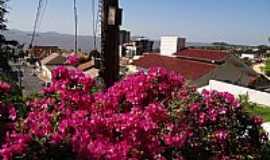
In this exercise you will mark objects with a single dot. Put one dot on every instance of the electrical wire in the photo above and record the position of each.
(37, 18)
(42, 14)
(95, 21)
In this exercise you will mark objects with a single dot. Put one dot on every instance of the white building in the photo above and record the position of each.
(248, 56)
(171, 44)
(48, 64)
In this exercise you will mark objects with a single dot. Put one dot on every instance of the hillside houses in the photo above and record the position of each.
(200, 66)
(47, 64)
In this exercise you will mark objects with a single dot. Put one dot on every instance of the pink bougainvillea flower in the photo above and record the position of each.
(73, 59)
(4, 87)
(152, 114)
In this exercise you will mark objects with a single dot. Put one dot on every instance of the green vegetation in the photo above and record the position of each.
(267, 67)
(256, 109)
(262, 111)
(3, 11)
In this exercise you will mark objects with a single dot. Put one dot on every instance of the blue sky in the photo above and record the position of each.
(234, 21)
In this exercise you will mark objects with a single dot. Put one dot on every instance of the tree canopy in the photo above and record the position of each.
(3, 11)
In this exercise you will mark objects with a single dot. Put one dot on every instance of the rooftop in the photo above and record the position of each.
(54, 59)
(45, 47)
(192, 70)
(87, 65)
(204, 55)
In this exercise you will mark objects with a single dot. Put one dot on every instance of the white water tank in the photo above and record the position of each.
(170, 45)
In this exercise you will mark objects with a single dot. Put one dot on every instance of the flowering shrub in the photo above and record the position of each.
(152, 115)
(7, 110)
(73, 59)
(11, 108)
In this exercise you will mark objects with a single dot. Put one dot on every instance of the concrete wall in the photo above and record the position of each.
(46, 73)
(254, 95)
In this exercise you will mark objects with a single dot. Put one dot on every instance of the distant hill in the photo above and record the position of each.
(156, 44)
(228, 45)
(65, 41)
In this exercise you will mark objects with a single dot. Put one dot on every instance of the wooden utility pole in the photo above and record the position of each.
(76, 26)
(111, 21)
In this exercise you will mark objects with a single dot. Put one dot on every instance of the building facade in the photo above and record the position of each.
(124, 37)
(199, 66)
(136, 47)
(44, 51)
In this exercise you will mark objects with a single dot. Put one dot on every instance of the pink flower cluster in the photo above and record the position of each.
(148, 115)
(7, 108)
(73, 59)
(15, 144)
(4, 87)
(8, 117)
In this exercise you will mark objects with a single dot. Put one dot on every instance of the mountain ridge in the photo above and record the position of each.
(66, 41)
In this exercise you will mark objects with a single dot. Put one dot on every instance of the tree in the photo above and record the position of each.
(3, 11)
(8, 48)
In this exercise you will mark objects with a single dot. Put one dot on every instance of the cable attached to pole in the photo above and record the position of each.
(36, 23)
(42, 14)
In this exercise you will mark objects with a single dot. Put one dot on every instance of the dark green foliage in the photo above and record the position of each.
(267, 67)
(47, 151)
(266, 151)
(254, 109)
(3, 11)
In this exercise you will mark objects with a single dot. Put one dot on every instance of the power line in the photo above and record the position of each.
(96, 13)
(37, 18)
(42, 13)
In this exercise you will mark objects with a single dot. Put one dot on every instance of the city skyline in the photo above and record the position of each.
(239, 22)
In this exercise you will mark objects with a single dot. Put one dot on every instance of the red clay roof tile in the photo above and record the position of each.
(201, 54)
(192, 70)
